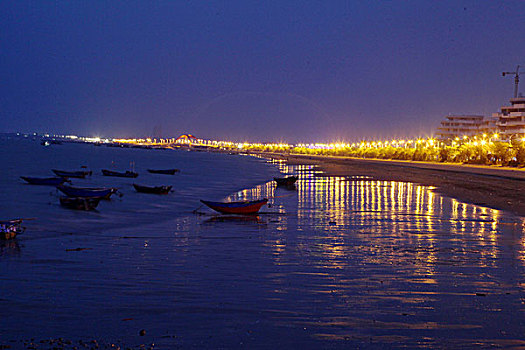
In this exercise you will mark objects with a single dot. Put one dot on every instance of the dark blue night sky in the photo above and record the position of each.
(254, 70)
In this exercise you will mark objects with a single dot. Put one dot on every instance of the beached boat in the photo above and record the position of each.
(164, 171)
(80, 203)
(48, 181)
(286, 181)
(128, 173)
(152, 189)
(103, 192)
(10, 228)
(245, 207)
(76, 174)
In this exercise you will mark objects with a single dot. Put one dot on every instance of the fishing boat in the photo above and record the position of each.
(76, 174)
(48, 181)
(128, 173)
(164, 171)
(285, 181)
(80, 203)
(10, 228)
(152, 189)
(103, 192)
(243, 208)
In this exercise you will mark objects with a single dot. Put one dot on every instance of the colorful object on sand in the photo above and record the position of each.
(10, 228)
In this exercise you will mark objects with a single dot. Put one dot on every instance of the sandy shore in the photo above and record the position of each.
(497, 188)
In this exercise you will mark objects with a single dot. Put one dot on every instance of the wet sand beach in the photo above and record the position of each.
(493, 187)
(335, 262)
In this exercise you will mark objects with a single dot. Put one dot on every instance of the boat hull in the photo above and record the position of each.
(76, 174)
(71, 191)
(241, 208)
(286, 181)
(164, 171)
(154, 190)
(45, 181)
(80, 203)
(128, 173)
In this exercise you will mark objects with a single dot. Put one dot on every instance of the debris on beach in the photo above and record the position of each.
(77, 249)
(68, 344)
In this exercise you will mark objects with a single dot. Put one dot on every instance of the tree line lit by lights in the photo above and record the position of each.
(481, 149)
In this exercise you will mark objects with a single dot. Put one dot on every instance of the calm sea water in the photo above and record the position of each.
(335, 263)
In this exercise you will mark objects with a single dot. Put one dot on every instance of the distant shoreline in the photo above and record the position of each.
(497, 188)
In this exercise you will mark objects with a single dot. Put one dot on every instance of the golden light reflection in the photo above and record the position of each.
(360, 241)
(522, 241)
(406, 214)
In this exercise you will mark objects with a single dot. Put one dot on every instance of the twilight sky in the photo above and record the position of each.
(295, 71)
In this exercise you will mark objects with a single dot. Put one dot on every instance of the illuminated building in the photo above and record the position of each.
(511, 119)
(464, 125)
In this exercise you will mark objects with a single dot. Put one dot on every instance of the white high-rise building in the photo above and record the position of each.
(511, 119)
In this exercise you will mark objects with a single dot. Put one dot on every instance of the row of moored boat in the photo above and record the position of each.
(87, 198)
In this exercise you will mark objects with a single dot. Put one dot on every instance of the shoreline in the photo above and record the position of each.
(496, 188)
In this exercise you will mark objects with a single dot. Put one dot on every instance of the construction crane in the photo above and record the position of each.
(516, 79)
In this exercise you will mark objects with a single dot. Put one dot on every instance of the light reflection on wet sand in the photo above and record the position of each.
(394, 263)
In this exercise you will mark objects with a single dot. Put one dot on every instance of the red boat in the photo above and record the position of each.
(243, 208)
